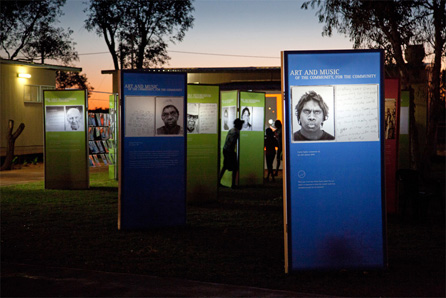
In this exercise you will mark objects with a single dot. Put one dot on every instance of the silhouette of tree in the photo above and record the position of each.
(137, 32)
(51, 44)
(395, 26)
(27, 29)
(69, 79)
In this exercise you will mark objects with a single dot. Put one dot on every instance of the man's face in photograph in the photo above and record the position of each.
(74, 117)
(191, 121)
(170, 116)
(311, 117)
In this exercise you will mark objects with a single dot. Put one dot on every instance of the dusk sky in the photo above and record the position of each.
(226, 33)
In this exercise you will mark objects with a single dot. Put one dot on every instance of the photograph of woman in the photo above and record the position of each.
(246, 116)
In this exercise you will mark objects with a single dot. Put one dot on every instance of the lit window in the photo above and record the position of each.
(34, 93)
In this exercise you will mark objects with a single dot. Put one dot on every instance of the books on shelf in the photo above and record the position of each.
(101, 139)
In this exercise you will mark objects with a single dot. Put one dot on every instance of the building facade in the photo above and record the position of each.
(21, 100)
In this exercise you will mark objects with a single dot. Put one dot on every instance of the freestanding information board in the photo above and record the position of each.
(113, 149)
(334, 178)
(252, 111)
(391, 133)
(152, 180)
(66, 149)
(202, 142)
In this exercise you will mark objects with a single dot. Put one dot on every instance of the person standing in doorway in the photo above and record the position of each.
(278, 136)
(270, 152)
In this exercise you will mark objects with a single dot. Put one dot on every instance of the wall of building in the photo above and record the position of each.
(225, 77)
(242, 78)
(13, 106)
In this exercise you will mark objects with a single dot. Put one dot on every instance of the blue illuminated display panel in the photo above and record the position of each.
(334, 165)
(153, 150)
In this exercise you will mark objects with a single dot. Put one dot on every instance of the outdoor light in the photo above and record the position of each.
(24, 75)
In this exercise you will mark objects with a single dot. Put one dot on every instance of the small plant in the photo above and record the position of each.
(35, 160)
(15, 163)
(25, 162)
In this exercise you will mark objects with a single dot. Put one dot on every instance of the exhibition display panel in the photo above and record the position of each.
(391, 135)
(252, 112)
(202, 142)
(113, 140)
(334, 160)
(66, 149)
(152, 168)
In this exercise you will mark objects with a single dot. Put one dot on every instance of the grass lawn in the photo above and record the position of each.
(236, 240)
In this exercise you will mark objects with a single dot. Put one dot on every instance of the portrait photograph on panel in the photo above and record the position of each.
(169, 116)
(139, 116)
(193, 119)
(55, 118)
(246, 116)
(227, 117)
(312, 113)
(74, 118)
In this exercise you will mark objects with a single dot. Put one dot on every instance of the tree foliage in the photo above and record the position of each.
(390, 25)
(27, 28)
(137, 32)
(395, 26)
(68, 79)
(51, 44)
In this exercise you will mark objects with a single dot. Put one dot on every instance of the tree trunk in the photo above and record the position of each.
(11, 137)
(414, 145)
(435, 102)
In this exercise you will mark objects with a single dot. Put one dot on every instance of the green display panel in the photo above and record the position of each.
(114, 124)
(66, 149)
(228, 103)
(202, 142)
(252, 111)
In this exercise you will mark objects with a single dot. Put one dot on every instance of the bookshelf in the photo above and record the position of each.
(101, 139)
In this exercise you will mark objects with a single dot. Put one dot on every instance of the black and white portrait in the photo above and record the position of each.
(227, 117)
(170, 115)
(312, 113)
(192, 120)
(246, 116)
(74, 118)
